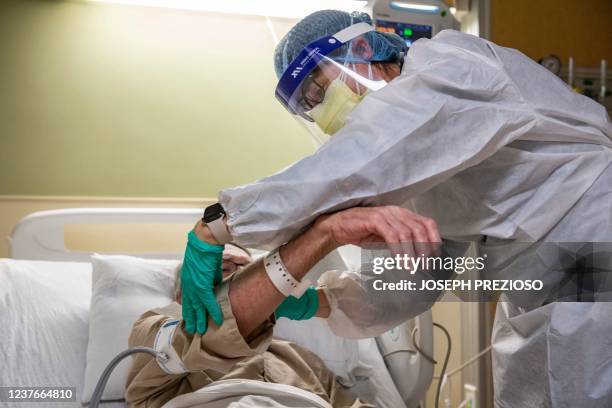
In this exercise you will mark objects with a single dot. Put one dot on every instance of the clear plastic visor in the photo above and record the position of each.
(357, 76)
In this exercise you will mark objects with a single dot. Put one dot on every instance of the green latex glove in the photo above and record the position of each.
(200, 273)
(299, 309)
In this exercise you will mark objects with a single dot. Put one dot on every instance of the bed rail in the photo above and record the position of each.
(40, 236)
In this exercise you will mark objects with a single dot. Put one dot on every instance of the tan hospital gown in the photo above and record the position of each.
(222, 353)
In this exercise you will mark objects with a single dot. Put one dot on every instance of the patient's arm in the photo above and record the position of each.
(253, 296)
(248, 300)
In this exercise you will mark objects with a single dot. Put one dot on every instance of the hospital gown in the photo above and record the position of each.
(222, 354)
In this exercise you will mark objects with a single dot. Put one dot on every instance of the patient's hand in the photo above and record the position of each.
(401, 229)
(234, 258)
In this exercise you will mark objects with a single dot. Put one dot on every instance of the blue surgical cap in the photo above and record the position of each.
(385, 46)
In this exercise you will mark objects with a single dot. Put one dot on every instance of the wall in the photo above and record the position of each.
(582, 29)
(110, 100)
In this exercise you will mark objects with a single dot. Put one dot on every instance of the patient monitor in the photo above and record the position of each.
(412, 20)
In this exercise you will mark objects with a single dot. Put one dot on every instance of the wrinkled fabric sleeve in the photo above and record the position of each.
(356, 315)
(215, 353)
(221, 347)
(358, 310)
(450, 109)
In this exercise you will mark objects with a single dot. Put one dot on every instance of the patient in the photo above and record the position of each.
(243, 347)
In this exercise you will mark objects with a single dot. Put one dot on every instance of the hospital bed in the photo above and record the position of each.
(45, 296)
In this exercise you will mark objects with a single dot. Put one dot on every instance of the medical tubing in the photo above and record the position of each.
(460, 367)
(447, 386)
(448, 352)
(449, 391)
(428, 357)
(416, 346)
(97, 394)
(468, 362)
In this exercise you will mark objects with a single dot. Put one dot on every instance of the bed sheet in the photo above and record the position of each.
(44, 314)
(236, 393)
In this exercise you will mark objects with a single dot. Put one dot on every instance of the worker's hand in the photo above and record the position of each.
(302, 308)
(234, 258)
(402, 230)
(200, 273)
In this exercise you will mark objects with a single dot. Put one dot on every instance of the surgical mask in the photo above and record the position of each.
(339, 101)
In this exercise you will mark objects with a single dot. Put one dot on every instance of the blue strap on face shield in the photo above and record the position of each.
(308, 59)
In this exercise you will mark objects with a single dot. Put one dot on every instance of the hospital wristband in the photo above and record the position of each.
(281, 278)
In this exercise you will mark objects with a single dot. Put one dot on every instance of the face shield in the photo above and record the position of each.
(327, 80)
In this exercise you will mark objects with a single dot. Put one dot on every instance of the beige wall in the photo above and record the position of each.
(121, 101)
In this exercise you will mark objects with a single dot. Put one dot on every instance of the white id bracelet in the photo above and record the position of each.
(281, 278)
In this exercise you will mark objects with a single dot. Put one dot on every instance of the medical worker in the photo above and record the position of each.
(478, 137)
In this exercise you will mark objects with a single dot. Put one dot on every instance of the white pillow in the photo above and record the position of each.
(339, 354)
(123, 288)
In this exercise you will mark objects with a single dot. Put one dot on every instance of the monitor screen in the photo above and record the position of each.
(409, 32)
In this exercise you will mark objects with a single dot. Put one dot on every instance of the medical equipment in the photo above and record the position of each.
(40, 236)
(589, 81)
(596, 83)
(602, 80)
(552, 63)
(412, 20)
(99, 390)
(402, 354)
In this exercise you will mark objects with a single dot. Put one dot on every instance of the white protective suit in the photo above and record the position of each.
(488, 143)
